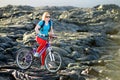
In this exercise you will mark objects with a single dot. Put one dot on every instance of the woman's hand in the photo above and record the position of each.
(51, 35)
(41, 34)
(37, 29)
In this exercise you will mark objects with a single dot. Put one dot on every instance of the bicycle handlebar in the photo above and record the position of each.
(54, 36)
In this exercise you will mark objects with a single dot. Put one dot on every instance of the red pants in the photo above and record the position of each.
(42, 44)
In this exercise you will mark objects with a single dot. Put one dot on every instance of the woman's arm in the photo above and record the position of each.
(37, 29)
(51, 33)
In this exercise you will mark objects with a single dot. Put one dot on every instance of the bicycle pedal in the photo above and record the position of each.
(36, 58)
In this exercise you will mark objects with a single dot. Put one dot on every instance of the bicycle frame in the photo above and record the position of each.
(25, 57)
(47, 46)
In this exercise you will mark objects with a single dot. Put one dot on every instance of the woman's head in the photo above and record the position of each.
(46, 16)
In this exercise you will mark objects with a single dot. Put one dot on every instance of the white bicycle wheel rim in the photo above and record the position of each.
(17, 60)
(58, 66)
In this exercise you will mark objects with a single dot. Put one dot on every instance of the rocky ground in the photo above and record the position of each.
(88, 41)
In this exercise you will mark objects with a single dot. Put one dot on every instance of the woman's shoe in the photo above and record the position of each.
(42, 67)
(36, 54)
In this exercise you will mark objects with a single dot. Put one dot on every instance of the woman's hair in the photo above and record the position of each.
(44, 15)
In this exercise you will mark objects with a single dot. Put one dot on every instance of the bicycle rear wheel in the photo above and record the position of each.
(24, 58)
(53, 62)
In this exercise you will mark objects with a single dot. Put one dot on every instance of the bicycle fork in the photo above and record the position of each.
(52, 58)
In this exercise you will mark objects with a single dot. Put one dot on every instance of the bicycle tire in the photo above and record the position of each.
(55, 63)
(24, 58)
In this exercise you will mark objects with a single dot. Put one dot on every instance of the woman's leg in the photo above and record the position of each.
(43, 57)
(41, 43)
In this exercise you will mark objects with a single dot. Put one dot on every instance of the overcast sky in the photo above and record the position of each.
(76, 3)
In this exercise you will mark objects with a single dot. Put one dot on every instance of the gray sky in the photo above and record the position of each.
(77, 3)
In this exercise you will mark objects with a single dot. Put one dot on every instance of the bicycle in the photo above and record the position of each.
(25, 58)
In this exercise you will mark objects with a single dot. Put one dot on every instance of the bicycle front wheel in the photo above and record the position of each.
(53, 61)
(24, 58)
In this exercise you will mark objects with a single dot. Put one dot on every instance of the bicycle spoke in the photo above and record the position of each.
(24, 58)
(54, 64)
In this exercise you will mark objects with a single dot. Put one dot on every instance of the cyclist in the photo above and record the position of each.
(43, 30)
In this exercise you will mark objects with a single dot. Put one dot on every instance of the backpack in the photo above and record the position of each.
(44, 24)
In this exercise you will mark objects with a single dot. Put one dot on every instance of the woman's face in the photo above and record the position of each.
(47, 17)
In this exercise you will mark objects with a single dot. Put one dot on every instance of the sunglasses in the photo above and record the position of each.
(47, 16)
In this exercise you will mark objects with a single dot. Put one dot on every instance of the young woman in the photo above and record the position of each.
(43, 30)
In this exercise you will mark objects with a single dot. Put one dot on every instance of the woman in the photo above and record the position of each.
(43, 29)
